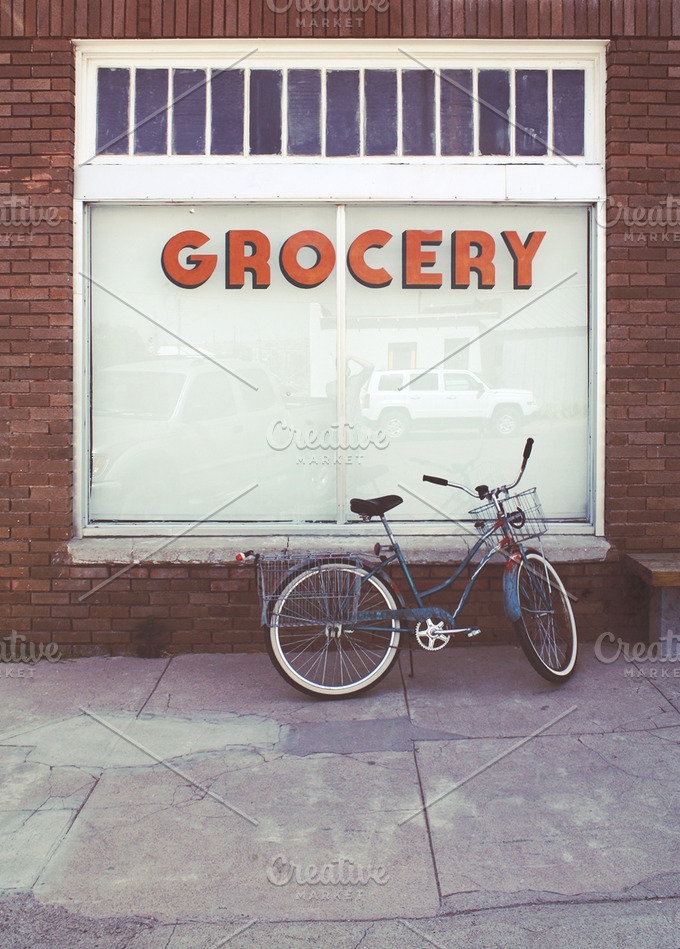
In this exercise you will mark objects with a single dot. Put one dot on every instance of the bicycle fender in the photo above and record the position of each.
(510, 595)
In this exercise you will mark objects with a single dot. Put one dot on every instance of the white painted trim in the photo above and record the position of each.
(431, 181)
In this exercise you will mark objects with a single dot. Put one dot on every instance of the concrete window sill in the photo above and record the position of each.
(560, 548)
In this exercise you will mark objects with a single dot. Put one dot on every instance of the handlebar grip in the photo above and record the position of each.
(434, 480)
(527, 448)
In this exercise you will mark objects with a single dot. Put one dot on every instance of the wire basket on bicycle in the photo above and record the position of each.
(524, 513)
(275, 571)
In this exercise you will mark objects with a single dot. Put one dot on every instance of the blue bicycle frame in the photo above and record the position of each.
(422, 613)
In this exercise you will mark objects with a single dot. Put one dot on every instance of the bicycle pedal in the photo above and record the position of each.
(473, 632)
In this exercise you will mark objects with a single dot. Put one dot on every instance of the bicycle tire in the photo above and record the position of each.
(312, 641)
(546, 629)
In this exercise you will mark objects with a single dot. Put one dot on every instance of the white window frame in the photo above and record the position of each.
(131, 179)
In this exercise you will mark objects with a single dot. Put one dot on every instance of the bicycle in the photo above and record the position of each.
(335, 621)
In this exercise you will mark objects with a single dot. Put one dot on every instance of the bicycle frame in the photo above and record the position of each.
(421, 613)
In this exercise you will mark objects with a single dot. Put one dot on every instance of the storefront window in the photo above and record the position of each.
(216, 338)
(311, 273)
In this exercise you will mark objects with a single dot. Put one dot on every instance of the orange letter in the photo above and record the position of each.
(202, 265)
(238, 262)
(522, 255)
(369, 276)
(482, 263)
(414, 258)
(307, 277)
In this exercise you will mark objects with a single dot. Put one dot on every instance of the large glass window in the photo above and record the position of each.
(216, 336)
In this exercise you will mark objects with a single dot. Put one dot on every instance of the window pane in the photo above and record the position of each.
(380, 89)
(418, 111)
(113, 97)
(568, 111)
(174, 435)
(456, 112)
(531, 111)
(494, 111)
(304, 112)
(265, 112)
(227, 112)
(151, 111)
(188, 112)
(342, 112)
(471, 423)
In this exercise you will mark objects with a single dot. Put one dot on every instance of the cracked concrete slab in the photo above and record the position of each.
(383, 734)
(635, 924)
(248, 683)
(662, 676)
(54, 690)
(311, 812)
(491, 690)
(87, 742)
(570, 840)
(561, 814)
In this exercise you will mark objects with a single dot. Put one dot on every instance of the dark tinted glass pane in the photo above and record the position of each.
(531, 112)
(188, 112)
(342, 112)
(380, 90)
(265, 112)
(417, 90)
(304, 112)
(456, 112)
(568, 110)
(494, 109)
(227, 112)
(113, 97)
(151, 111)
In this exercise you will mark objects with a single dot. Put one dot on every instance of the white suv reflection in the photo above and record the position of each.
(396, 398)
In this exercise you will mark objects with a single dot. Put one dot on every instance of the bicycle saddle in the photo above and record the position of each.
(375, 507)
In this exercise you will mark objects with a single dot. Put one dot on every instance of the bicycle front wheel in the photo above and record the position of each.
(315, 641)
(546, 629)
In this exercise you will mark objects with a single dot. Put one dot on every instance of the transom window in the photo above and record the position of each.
(340, 112)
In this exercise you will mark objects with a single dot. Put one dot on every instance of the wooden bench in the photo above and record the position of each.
(662, 573)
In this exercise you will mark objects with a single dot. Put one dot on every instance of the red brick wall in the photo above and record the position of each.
(214, 608)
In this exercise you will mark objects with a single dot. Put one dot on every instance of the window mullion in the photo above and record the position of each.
(341, 364)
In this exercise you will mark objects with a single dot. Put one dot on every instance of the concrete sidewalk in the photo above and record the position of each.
(200, 802)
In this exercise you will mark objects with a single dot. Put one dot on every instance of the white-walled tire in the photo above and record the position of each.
(546, 629)
(312, 640)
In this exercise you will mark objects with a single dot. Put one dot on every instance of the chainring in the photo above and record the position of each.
(432, 638)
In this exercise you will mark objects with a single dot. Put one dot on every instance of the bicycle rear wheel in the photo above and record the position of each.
(546, 629)
(314, 639)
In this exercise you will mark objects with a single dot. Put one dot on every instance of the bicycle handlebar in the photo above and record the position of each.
(434, 480)
(482, 491)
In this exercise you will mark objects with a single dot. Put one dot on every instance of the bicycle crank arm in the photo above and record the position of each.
(416, 615)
